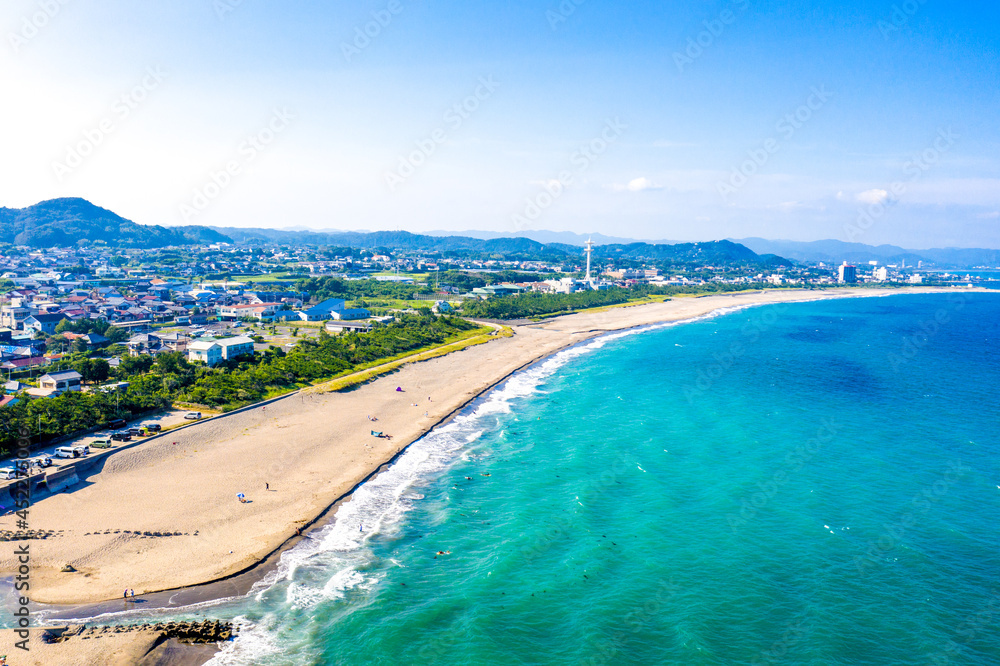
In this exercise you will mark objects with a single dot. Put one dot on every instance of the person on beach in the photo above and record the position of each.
(132, 594)
(267, 486)
(125, 595)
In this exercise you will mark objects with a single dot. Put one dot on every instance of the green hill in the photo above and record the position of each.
(64, 222)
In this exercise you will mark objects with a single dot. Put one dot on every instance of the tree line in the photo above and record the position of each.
(535, 304)
(170, 377)
(323, 288)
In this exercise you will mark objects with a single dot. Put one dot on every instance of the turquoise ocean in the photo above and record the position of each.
(813, 483)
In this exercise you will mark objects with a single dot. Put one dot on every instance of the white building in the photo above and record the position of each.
(234, 347)
(206, 351)
(258, 311)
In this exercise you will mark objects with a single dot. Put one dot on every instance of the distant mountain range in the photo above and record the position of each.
(542, 236)
(835, 252)
(67, 222)
(713, 252)
(64, 222)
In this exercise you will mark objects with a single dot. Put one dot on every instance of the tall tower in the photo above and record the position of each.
(589, 245)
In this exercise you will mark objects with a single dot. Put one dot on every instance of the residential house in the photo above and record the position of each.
(14, 386)
(95, 340)
(144, 343)
(68, 380)
(44, 323)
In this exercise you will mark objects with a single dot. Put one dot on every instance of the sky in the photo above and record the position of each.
(867, 121)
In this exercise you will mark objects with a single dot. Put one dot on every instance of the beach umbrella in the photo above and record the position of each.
(240, 496)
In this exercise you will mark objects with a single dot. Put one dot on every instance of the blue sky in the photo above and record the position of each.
(873, 122)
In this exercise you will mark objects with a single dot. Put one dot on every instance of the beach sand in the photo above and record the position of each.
(311, 448)
(112, 649)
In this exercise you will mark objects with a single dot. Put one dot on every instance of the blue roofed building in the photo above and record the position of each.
(333, 308)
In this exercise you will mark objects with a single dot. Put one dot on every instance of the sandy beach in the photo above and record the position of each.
(292, 459)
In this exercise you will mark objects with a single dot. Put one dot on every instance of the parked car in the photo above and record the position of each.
(8, 473)
(193, 416)
(121, 436)
(72, 451)
(102, 443)
(137, 431)
(42, 461)
(154, 427)
(116, 424)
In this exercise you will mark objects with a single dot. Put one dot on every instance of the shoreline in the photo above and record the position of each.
(259, 570)
(264, 562)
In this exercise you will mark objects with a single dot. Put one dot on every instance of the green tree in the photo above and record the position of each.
(135, 365)
(92, 370)
(115, 334)
(172, 363)
(100, 369)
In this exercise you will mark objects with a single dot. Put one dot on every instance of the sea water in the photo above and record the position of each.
(814, 483)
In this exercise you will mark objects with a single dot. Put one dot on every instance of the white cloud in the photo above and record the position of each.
(873, 196)
(637, 185)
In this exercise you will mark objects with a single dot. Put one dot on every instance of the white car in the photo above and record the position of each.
(194, 416)
(41, 461)
(73, 451)
(7, 473)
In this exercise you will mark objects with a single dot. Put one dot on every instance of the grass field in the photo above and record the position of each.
(366, 373)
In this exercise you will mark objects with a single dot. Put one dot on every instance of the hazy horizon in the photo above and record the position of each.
(872, 122)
